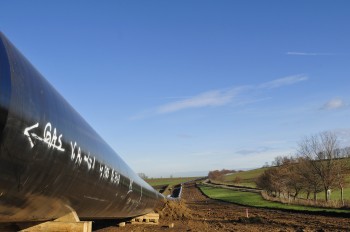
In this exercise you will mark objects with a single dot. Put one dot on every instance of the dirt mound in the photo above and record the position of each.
(175, 210)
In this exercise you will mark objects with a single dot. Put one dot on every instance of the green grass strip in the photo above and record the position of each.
(256, 200)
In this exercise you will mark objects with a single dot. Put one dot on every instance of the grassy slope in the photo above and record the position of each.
(248, 180)
(247, 177)
(256, 200)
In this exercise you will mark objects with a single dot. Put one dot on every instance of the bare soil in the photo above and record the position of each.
(196, 212)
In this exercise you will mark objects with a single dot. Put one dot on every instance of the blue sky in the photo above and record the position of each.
(183, 87)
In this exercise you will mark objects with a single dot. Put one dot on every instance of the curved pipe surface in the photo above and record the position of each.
(51, 160)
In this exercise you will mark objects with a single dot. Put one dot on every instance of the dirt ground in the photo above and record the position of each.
(196, 212)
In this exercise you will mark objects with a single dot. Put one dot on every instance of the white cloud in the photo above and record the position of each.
(211, 98)
(308, 54)
(284, 81)
(220, 97)
(333, 104)
(224, 97)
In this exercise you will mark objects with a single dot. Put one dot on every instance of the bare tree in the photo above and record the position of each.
(143, 175)
(216, 175)
(237, 180)
(309, 179)
(346, 152)
(282, 160)
(277, 161)
(342, 167)
(264, 181)
(321, 151)
(293, 179)
(272, 180)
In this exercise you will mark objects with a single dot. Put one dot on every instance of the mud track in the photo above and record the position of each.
(196, 212)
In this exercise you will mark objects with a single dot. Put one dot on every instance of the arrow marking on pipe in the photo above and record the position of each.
(28, 135)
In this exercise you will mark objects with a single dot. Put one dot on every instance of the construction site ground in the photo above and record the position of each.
(196, 212)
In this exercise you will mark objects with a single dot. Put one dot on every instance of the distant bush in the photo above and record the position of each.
(218, 175)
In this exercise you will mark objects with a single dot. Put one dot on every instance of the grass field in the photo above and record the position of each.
(256, 200)
(247, 177)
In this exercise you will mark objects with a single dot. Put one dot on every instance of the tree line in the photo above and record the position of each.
(219, 175)
(320, 165)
